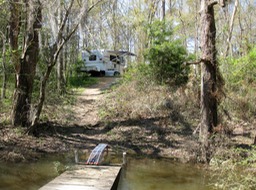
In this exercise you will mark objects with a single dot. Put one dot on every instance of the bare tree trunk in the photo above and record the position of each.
(25, 70)
(60, 65)
(163, 9)
(170, 7)
(115, 27)
(4, 69)
(152, 11)
(60, 74)
(209, 117)
(14, 23)
(231, 26)
(38, 109)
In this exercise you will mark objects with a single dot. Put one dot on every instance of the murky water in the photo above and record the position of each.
(140, 174)
(150, 174)
(31, 176)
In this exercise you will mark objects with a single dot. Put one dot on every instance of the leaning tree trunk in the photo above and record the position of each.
(208, 75)
(25, 69)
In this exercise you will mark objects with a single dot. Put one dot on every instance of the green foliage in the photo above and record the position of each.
(159, 32)
(75, 68)
(166, 63)
(78, 78)
(82, 80)
(166, 56)
(141, 73)
(240, 76)
(243, 70)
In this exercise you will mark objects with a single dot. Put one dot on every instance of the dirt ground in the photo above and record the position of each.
(83, 130)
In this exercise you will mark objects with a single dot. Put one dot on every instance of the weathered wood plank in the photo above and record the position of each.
(85, 178)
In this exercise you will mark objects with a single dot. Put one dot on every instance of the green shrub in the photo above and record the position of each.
(166, 63)
(240, 79)
(241, 71)
(82, 80)
(166, 56)
(78, 78)
(139, 72)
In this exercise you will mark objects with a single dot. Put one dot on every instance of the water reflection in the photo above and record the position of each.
(149, 174)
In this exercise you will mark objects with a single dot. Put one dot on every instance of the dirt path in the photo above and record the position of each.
(86, 108)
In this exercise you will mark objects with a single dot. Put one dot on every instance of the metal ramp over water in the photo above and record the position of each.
(97, 154)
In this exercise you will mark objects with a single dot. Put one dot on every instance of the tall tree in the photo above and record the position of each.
(4, 45)
(60, 64)
(25, 63)
(209, 117)
(231, 27)
(3, 92)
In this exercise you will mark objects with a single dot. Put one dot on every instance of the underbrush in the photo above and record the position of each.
(81, 80)
(234, 168)
(131, 101)
(138, 96)
(240, 89)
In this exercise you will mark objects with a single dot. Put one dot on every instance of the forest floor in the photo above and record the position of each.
(80, 127)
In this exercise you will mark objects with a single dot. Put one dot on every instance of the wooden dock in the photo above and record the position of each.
(86, 177)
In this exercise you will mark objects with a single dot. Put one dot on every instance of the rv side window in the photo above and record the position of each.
(112, 58)
(92, 58)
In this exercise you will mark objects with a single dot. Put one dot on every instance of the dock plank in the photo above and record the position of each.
(85, 178)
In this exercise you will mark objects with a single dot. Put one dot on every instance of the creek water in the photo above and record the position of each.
(139, 174)
(152, 174)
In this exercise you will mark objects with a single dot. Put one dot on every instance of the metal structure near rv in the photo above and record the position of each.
(104, 62)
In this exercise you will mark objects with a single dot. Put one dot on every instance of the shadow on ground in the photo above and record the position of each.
(148, 136)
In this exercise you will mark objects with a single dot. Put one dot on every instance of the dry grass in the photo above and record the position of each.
(131, 101)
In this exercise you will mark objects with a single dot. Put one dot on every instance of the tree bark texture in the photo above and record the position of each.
(15, 11)
(3, 92)
(208, 75)
(26, 67)
(60, 74)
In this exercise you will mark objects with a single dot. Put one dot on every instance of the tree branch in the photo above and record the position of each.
(196, 62)
(213, 2)
(64, 21)
(222, 3)
(95, 4)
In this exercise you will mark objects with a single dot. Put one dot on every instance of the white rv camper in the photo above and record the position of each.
(104, 62)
